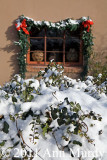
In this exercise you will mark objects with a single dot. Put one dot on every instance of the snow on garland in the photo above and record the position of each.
(24, 25)
(63, 24)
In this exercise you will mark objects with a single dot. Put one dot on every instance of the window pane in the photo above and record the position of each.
(58, 57)
(54, 33)
(37, 49)
(72, 49)
(36, 44)
(54, 44)
(76, 33)
(37, 33)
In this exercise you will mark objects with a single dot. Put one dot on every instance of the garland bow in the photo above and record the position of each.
(22, 25)
(87, 24)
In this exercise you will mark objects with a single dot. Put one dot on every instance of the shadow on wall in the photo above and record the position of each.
(11, 35)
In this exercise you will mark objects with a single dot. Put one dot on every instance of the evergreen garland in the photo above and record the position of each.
(87, 38)
(24, 25)
(24, 45)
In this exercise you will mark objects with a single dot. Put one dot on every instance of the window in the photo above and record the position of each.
(65, 47)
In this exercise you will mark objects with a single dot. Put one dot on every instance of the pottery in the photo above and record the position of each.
(37, 55)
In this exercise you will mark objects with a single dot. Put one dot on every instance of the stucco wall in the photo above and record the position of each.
(52, 10)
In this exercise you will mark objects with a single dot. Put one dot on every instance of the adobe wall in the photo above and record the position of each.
(52, 10)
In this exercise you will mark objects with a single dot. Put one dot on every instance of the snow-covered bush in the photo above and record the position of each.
(96, 87)
(52, 74)
(56, 112)
(65, 122)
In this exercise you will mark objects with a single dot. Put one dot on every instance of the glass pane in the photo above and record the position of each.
(54, 44)
(37, 56)
(54, 33)
(36, 44)
(37, 49)
(58, 57)
(76, 33)
(34, 32)
(72, 49)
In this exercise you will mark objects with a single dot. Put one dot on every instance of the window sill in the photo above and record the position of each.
(71, 69)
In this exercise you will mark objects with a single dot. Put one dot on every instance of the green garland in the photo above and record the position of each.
(24, 25)
(87, 38)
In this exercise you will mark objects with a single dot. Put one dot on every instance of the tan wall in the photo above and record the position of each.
(52, 10)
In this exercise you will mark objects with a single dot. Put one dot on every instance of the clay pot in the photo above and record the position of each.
(72, 55)
(37, 55)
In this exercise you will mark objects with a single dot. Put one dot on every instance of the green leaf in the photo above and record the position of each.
(69, 120)
(2, 143)
(75, 115)
(100, 118)
(6, 127)
(38, 120)
(82, 117)
(64, 110)
(36, 137)
(6, 96)
(60, 121)
(76, 107)
(14, 99)
(26, 114)
(76, 130)
(94, 118)
(77, 142)
(94, 158)
(45, 129)
(54, 113)
(31, 97)
(12, 118)
(72, 104)
(66, 99)
(16, 143)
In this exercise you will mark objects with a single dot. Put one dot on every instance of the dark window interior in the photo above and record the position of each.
(62, 46)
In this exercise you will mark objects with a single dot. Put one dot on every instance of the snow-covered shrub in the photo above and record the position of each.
(52, 74)
(95, 86)
(56, 110)
(66, 122)
(21, 88)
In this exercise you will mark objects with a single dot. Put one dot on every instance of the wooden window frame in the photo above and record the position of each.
(44, 63)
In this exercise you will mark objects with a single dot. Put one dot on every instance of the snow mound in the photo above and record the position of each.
(56, 118)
